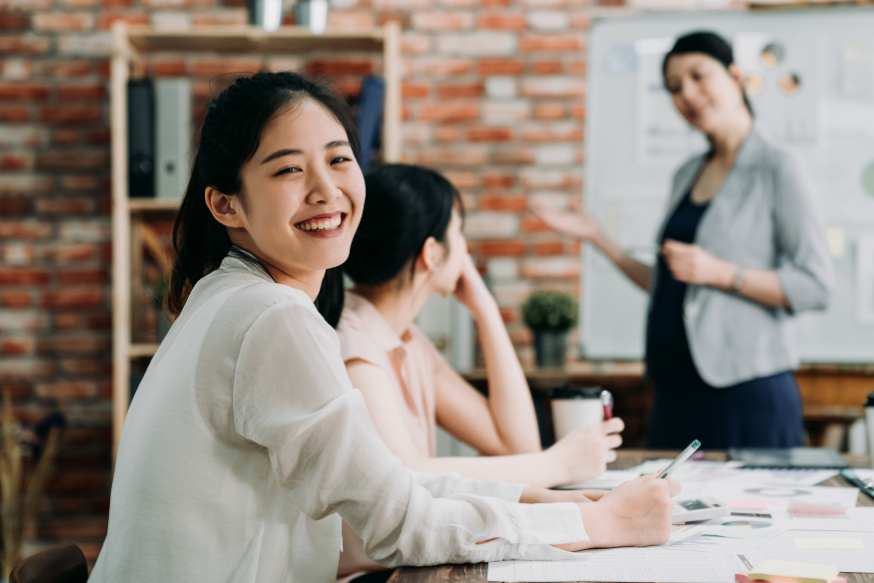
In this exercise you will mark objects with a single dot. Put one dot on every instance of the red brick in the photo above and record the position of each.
(579, 112)
(117, 3)
(219, 17)
(578, 68)
(65, 137)
(442, 20)
(414, 90)
(72, 160)
(454, 156)
(533, 225)
(514, 157)
(17, 347)
(498, 181)
(501, 248)
(91, 91)
(445, 134)
(83, 276)
(73, 343)
(214, 67)
(62, 21)
(449, 111)
(333, 67)
(28, 229)
(462, 179)
(15, 207)
(438, 66)
(24, 45)
(503, 203)
(102, 136)
(23, 91)
(19, 275)
(15, 114)
(65, 206)
(501, 66)
(76, 481)
(550, 110)
(566, 132)
(16, 69)
(354, 20)
(501, 21)
(27, 368)
(461, 90)
(15, 299)
(489, 134)
(551, 42)
(581, 20)
(16, 161)
(495, 3)
(547, 67)
(14, 21)
(99, 321)
(65, 68)
(169, 68)
(81, 298)
(69, 252)
(66, 390)
(82, 183)
(549, 248)
(71, 114)
(67, 321)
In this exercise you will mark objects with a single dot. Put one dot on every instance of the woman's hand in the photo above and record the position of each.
(693, 265)
(579, 224)
(584, 453)
(634, 514)
(471, 290)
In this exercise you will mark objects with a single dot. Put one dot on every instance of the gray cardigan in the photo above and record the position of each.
(764, 216)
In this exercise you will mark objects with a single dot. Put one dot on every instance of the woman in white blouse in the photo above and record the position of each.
(246, 444)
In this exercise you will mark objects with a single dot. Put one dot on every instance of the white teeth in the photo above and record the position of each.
(321, 224)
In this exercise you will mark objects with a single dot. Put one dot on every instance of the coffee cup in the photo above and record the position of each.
(575, 408)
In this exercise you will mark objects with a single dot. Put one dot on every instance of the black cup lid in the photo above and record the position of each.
(869, 402)
(567, 392)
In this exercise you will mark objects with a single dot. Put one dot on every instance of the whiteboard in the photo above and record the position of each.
(635, 140)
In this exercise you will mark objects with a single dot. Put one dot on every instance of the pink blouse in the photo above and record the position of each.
(410, 362)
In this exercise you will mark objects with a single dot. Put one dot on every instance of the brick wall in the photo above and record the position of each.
(493, 96)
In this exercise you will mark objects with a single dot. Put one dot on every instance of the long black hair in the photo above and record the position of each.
(405, 206)
(232, 129)
(710, 44)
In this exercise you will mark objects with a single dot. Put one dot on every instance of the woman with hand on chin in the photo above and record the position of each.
(245, 443)
(409, 247)
(742, 250)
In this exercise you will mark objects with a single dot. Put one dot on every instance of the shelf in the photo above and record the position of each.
(239, 39)
(145, 205)
(141, 350)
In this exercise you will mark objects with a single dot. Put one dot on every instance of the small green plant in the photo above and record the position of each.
(550, 310)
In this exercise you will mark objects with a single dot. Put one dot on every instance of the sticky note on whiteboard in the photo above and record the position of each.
(852, 544)
(836, 237)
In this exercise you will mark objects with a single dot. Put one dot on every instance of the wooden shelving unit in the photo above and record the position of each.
(130, 46)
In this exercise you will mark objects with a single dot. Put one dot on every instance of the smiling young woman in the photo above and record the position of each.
(246, 443)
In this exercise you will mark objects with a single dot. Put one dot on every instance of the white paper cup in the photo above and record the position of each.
(575, 408)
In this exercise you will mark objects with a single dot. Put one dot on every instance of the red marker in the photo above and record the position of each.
(607, 401)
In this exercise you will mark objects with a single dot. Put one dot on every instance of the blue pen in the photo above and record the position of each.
(681, 458)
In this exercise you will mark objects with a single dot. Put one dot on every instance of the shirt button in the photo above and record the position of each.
(691, 310)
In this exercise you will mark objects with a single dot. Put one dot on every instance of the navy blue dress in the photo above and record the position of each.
(763, 412)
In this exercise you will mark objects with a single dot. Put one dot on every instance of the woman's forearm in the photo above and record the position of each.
(637, 271)
(509, 401)
(534, 469)
(759, 285)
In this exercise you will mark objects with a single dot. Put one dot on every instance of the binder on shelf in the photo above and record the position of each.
(172, 137)
(369, 117)
(140, 138)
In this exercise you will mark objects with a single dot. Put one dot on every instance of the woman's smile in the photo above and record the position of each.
(324, 225)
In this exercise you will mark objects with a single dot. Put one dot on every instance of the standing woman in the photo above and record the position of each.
(742, 251)
(246, 443)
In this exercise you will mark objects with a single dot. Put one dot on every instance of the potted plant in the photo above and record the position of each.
(550, 314)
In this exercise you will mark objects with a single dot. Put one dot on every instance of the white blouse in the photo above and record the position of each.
(246, 444)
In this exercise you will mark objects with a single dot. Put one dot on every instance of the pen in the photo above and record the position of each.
(866, 486)
(681, 458)
(607, 402)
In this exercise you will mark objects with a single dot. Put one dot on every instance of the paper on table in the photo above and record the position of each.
(804, 571)
(854, 544)
(606, 481)
(850, 561)
(727, 534)
(626, 565)
(802, 508)
(858, 519)
(756, 496)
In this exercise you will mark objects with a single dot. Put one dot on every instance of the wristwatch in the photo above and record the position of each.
(738, 279)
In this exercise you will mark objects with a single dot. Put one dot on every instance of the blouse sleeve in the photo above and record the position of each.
(292, 397)
(806, 274)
